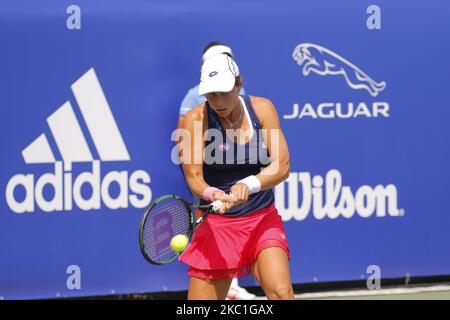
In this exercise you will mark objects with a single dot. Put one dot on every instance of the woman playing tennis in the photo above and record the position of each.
(247, 236)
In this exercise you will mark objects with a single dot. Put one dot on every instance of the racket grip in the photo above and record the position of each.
(216, 205)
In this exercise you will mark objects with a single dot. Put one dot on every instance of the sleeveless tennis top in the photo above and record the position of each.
(226, 162)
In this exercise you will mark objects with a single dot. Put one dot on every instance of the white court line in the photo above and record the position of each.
(355, 293)
(390, 291)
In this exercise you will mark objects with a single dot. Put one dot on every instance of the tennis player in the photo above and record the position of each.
(191, 100)
(247, 236)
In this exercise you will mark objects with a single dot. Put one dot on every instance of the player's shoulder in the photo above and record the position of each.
(195, 113)
(263, 107)
(260, 101)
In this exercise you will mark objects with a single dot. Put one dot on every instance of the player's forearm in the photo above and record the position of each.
(196, 183)
(273, 174)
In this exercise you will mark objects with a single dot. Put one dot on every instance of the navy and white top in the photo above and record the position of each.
(226, 162)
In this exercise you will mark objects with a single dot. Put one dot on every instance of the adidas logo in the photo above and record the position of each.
(73, 148)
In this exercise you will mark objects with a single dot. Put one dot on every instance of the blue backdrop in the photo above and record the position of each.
(364, 112)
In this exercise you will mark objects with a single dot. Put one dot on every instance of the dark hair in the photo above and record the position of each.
(212, 44)
(216, 43)
(238, 81)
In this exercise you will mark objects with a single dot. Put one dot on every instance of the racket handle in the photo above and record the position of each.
(216, 205)
(199, 220)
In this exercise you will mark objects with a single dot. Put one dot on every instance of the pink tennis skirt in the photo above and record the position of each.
(227, 247)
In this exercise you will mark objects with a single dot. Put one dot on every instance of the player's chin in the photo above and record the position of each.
(223, 112)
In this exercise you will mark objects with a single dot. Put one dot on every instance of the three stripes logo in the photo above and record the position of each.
(73, 148)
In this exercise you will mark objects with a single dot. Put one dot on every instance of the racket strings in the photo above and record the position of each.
(165, 220)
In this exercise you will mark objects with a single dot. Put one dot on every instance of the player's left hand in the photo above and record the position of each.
(239, 193)
(227, 201)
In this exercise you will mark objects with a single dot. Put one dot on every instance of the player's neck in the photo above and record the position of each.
(235, 116)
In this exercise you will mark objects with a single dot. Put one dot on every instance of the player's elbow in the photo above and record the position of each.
(279, 170)
(285, 170)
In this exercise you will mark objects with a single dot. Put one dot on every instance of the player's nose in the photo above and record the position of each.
(220, 99)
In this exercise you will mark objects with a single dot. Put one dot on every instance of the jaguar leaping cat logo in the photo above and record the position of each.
(322, 61)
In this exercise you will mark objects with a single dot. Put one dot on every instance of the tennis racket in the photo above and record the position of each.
(164, 218)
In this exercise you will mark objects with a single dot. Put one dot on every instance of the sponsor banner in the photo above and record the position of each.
(72, 146)
(329, 198)
(90, 95)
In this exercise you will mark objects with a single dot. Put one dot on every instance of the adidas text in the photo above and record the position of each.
(133, 189)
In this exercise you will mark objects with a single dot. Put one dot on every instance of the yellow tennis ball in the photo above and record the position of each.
(179, 242)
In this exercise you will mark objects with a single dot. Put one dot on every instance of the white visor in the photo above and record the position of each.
(218, 74)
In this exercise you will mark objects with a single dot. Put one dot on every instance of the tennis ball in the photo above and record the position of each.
(179, 242)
